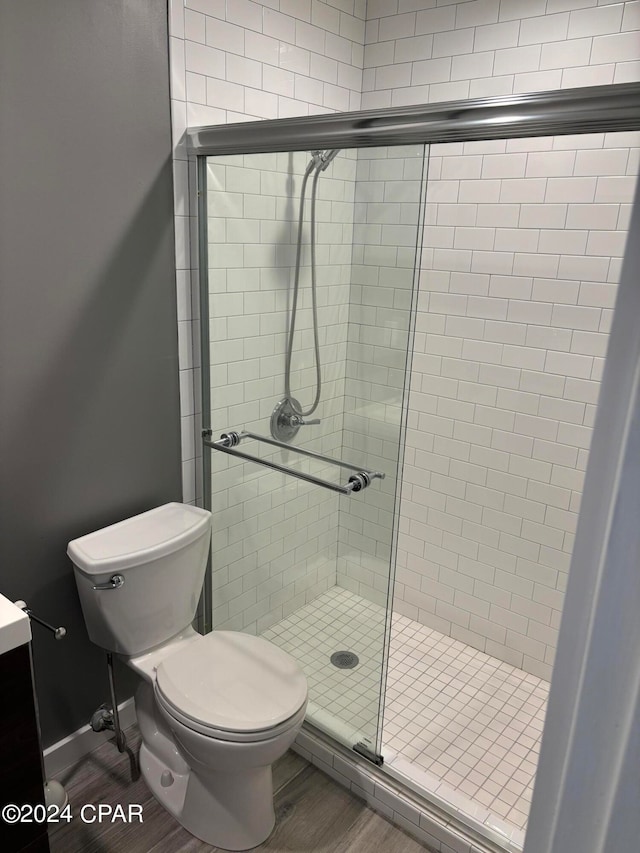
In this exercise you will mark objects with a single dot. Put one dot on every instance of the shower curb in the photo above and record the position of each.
(426, 821)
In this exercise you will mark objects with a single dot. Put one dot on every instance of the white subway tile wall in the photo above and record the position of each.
(277, 539)
(236, 61)
(275, 544)
(435, 50)
(516, 293)
(275, 536)
(389, 183)
(521, 257)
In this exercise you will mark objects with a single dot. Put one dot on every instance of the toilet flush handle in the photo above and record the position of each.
(114, 582)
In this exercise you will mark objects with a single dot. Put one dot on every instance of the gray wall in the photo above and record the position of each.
(89, 400)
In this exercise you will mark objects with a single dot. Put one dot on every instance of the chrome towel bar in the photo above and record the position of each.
(228, 442)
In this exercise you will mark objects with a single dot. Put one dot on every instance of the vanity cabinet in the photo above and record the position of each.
(20, 757)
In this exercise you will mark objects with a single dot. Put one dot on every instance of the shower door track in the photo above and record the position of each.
(589, 109)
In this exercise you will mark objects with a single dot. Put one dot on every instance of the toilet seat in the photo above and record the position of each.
(225, 734)
(232, 686)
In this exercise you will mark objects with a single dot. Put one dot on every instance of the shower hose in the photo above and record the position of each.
(315, 163)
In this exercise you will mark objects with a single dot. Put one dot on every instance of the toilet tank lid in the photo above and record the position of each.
(139, 539)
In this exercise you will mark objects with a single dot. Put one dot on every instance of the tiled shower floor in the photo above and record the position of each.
(337, 620)
(458, 723)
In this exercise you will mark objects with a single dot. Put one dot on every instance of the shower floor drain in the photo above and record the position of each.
(345, 660)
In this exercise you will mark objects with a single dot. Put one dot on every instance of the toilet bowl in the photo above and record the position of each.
(229, 705)
(214, 711)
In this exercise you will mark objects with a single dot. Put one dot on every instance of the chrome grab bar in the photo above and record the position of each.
(228, 442)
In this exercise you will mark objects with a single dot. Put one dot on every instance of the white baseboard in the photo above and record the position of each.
(75, 746)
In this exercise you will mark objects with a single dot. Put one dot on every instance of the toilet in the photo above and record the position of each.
(214, 711)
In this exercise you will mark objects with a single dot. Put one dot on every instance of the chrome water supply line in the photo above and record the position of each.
(109, 718)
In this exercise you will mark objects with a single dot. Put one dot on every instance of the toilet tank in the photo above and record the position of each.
(161, 555)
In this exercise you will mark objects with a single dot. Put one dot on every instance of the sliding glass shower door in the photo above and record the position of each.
(308, 267)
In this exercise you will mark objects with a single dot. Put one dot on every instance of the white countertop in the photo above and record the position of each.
(15, 626)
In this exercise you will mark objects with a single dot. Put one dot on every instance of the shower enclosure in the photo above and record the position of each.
(404, 318)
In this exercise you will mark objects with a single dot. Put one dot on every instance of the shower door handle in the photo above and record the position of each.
(229, 441)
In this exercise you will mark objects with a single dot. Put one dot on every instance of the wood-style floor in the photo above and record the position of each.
(313, 813)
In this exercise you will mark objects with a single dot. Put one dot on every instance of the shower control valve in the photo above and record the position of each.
(285, 420)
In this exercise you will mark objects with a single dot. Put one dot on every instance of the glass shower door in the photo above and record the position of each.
(302, 552)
